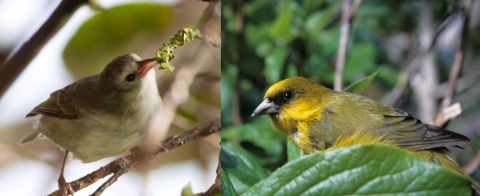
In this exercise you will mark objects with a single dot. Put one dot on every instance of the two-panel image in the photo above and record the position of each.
(239, 97)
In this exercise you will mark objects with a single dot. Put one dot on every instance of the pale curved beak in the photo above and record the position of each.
(145, 65)
(266, 107)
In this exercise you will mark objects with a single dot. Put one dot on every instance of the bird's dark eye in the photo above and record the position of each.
(130, 77)
(287, 95)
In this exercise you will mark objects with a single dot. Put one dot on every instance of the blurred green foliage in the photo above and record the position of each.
(115, 31)
(299, 38)
(271, 40)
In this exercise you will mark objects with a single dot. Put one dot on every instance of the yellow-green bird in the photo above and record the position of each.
(316, 118)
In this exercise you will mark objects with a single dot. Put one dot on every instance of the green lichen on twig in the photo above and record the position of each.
(165, 54)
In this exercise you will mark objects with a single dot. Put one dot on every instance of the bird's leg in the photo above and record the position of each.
(63, 185)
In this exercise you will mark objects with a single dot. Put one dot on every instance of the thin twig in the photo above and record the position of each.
(22, 57)
(113, 179)
(130, 161)
(212, 42)
(195, 133)
(348, 12)
(214, 1)
(457, 65)
(472, 165)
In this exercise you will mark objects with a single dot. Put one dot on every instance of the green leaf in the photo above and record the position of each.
(226, 185)
(274, 63)
(360, 60)
(187, 191)
(281, 27)
(309, 5)
(113, 32)
(256, 132)
(362, 170)
(360, 85)
(240, 164)
(293, 152)
(317, 21)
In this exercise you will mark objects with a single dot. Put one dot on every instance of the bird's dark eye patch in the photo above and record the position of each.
(130, 77)
(287, 95)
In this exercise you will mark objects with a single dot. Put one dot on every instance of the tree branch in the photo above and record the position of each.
(195, 133)
(22, 57)
(236, 114)
(472, 165)
(215, 1)
(122, 165)
(348, 12)
(212, 42)
(456, 67)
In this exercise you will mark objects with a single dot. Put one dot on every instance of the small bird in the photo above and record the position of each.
(315, 118)
(100, 116)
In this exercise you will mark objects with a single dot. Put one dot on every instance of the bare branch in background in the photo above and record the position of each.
(348, 12)
(215, 1)
(425, 80)
(472, 165)
(122, 165)
(237, 118)
(447, 110)
(456, 67)
(440, 120)
(212, 42)
(446, 114)
(22, 57)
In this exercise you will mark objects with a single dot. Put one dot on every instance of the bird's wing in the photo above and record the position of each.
(409, 132)
(57, 105)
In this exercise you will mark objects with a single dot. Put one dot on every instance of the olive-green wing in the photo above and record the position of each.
(57, 105)
(410, 133)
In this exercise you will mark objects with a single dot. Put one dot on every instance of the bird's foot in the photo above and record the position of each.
(64, 187)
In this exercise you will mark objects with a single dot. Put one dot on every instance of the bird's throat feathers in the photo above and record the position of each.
(147, 98)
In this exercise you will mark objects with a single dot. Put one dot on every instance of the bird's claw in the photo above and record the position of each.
(64, 186)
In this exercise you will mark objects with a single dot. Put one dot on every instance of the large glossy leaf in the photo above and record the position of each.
(226, 184)
(240, 164)
(362, 170)
(119, 30)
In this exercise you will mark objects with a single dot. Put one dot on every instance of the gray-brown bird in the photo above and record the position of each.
(100, 116)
